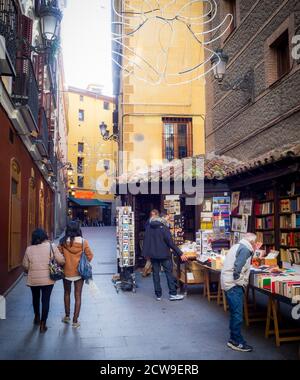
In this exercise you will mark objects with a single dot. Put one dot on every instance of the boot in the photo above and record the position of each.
(37, 320)
(43, 327)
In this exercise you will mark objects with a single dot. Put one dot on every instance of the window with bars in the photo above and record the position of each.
(80, 181)
(177, 138)
(81, 115)
(80, 147)
(80, 165)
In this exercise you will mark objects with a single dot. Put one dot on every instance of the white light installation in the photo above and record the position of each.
(179, 40)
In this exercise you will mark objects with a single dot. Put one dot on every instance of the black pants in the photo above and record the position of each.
(45, 291)
(168, 267)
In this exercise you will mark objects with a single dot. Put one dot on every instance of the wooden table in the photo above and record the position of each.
(220, 294)
(273, 318)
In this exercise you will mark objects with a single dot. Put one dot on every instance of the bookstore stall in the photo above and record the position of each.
(261, 197)
(264, 200)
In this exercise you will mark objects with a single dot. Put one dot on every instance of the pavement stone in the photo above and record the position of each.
(126, 325)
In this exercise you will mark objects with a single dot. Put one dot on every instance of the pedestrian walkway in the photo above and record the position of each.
(126, 325)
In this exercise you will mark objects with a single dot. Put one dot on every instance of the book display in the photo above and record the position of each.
(289, 224)
(283, 282)
(204, 240)
(264, 213)
(221, 217)
(173, 209)
(125, 236)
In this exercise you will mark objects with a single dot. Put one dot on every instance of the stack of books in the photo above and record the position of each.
(286, 284)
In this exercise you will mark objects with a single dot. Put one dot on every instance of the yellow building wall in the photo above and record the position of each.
(143, 103)
(95, 148)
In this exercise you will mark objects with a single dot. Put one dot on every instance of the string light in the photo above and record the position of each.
(132, 22)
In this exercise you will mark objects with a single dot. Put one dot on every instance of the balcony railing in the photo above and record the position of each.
(51, 151)
(8, 29)
(43, 138)
(25, 88)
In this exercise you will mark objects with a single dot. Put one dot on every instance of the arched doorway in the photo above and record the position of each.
(15, 216)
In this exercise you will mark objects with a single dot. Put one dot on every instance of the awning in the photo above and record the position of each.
(89, 202)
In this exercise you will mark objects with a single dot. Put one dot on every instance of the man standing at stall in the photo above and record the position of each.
(157, 246)
(234, 280)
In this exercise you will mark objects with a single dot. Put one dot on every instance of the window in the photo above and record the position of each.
(81, 115)
(230, 7)
(282, 54)
(106, 164)
(177, 139)
(106, 105)
(81, 98)
(80, 147)
(80, 181)
(80, 165)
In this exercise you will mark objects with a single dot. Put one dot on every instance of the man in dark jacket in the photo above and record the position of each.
(157, 245)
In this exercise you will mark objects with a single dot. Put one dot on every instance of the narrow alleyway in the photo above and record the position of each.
(126, 325)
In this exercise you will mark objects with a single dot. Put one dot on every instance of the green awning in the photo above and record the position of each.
(89, 202)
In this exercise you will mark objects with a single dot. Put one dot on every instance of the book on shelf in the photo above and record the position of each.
(290, 255)
(291, 239)
(265, 223)
(290, 221)
(267, 237)
(290, 205)
(264, 208)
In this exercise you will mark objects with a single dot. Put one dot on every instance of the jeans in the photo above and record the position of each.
(36, 298)
(78, 285)
(168, 267)
(235, 299)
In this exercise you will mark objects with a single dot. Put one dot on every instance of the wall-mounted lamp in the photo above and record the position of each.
(246, 83)
(105, 133)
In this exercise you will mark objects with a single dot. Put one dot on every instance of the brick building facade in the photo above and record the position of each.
(260, 39)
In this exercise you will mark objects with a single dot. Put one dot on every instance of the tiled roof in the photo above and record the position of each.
(215, 167)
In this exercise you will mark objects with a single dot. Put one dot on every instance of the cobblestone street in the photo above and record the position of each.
(126, 325)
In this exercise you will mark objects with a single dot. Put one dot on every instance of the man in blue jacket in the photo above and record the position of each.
(158, 244)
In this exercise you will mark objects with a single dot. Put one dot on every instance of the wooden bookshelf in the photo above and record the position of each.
(264, 219)
(289, 210)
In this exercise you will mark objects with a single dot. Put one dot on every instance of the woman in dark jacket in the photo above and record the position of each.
(157, 246)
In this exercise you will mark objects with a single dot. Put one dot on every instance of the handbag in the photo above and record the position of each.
(84, 267)
(56, 271)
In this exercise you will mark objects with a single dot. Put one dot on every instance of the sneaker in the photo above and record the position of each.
(239, 347)
(177, 297)
(76, 325)
(158, 298)
(66, 320)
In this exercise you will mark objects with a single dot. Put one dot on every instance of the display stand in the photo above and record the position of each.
(125, 249)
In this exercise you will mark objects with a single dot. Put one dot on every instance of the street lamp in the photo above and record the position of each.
(105, 133)
(70, 170)
(72, 185)
(219, 64)
(51, 17)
